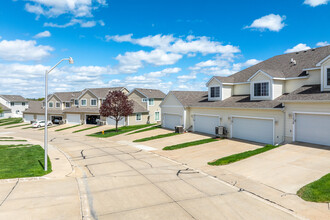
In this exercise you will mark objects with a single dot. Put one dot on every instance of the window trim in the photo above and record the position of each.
(158, 116)
(12, 103)
(270, 90)
(210, 92)
(74, 102)
(327, 76)
(50, 106)
(136, 119)
(56, 105)
(83, 100)
(66, 105)
(153, 102)
(95, 102)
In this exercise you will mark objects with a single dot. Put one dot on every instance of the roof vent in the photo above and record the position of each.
(293, 61)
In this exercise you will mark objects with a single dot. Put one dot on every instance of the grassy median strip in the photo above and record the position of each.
(6, 137)
(156, 137)
(318, 191)
(10, 121)
(15, 140)
(85, 129)
(240, 156)
(189, 144)
(62, 129)
(20, 125)
(147, 129)
(121, 130)
(27, 127)
(18, 161)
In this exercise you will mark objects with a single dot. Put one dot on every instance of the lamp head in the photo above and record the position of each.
(71, 60)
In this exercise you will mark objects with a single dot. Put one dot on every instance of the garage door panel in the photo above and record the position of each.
(73, 118)
(111, 121)
(170, 121)
(40, 117)
(312, 128)
(28, 117)
(251, 129)
(206, 124)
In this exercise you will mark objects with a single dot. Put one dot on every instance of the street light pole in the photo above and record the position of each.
(46, 110)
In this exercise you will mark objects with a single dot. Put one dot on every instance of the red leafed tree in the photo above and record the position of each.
(116, 106)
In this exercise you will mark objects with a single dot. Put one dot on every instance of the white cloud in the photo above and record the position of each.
(163, 72)
(43, 34)
(74, 21)
(21, 50)
(322, 44)
(271, 22)
(54, 8)
(298, 47)
(315, 3)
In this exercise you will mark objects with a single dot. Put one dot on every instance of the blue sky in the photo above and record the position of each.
(170, 45)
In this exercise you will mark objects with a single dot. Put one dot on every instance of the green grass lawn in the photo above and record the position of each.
(62, 129)
(6, 138)
(156, 137)
(14, 140)
(189, 144)
(17, 161)
(27, 127)
(240, 156)
(121, 130)
(318, 191)
(15, 126)
(85, 129)
(10, 121)
(147, 129)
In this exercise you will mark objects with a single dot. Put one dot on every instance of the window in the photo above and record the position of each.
(328, 77)
(93, 102)
(67, 105)
(261, 89)
(17, 112)
(2, 115)
(157, 116)
(83, 102)
(151, 102)
(50, 104)
(144, 100)
(76, 102)
(58, 105)
(12, 103)
(138, 116)
(23, 103)
(215, 92)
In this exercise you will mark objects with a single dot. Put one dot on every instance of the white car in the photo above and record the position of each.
(39, 124)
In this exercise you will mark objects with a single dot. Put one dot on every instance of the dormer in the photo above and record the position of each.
(261, 86)
(325, 73)
(217, 91)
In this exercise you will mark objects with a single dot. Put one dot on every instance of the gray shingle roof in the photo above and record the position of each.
(151, 93)
(311, 93)
(281, 66)
(14, 98)
(200, 99)
(137, 108)
(4, 108)
(101, 93)
(67, 96)
(36, 107)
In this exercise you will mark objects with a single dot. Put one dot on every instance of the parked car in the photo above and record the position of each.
(38, 124)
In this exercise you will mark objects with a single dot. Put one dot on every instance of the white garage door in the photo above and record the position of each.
(40, 117)
(313, 128)
(111, 121)
(170, 121)
(251, 129)
(73, 118)
(206, 124)
(28, 118)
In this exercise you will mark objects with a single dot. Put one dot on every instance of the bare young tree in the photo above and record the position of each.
(116, 106)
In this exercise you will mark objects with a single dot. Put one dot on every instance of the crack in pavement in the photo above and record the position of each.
(12, 189)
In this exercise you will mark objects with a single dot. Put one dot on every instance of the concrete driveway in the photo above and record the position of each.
(111, 180)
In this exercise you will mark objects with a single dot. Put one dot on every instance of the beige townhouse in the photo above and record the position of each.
(283, 99)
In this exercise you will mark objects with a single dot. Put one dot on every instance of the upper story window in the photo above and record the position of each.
(76, 102)
(83, 102)
(50, 104)
(215, 92)
(93, 102)
(144, 100)
(328, 76)
(261, 89)
(23, 103)
(12, 103)
(151, 102)
(58, 105)
(67, 105)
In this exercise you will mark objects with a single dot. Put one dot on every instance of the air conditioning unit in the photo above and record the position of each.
(179, 129)
(220, 131)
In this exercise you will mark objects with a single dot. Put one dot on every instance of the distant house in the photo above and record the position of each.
(16, 103)
(282, 99)
(6, 112)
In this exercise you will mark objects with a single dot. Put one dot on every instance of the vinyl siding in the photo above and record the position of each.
(242, 89)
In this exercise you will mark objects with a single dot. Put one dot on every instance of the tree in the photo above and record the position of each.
(116, 106)
(1, 110)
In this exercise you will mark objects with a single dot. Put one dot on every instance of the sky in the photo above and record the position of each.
(167, 45)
